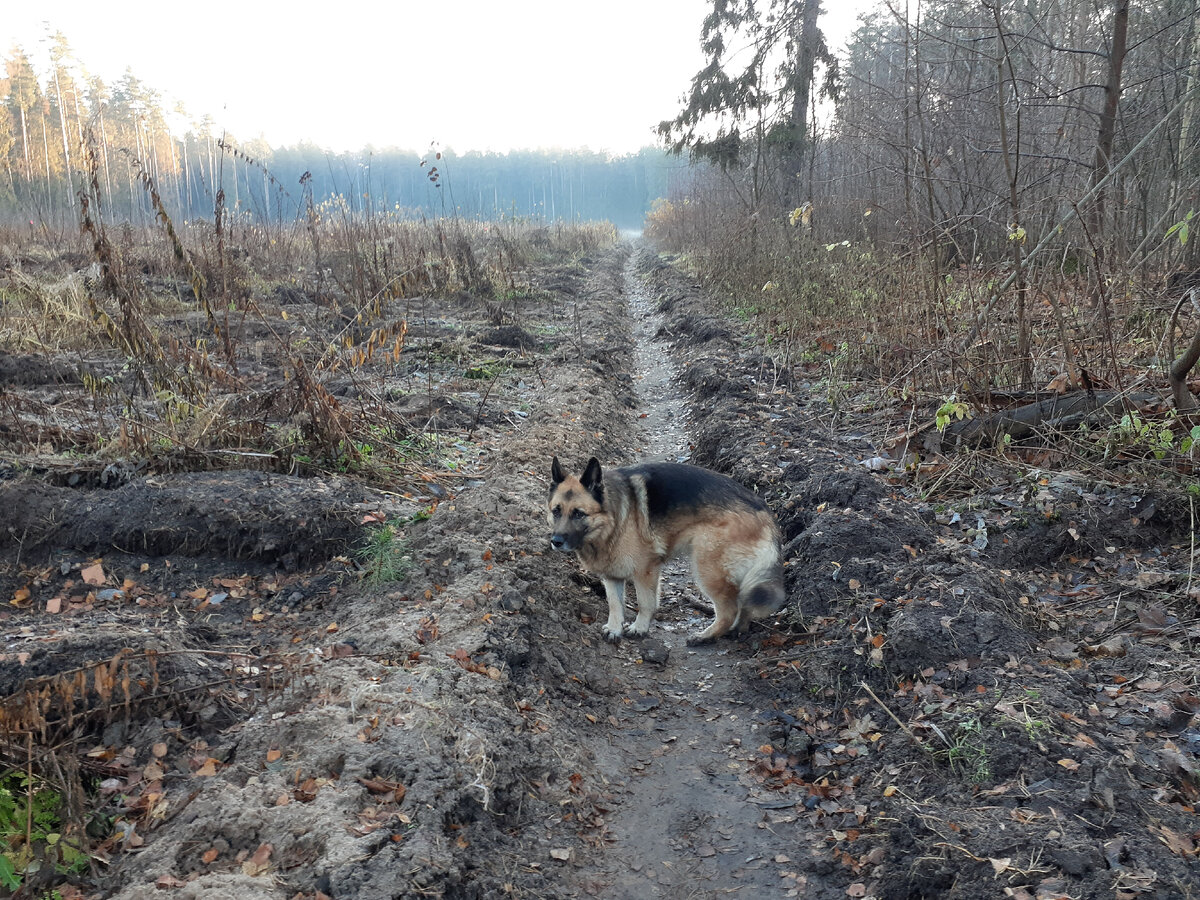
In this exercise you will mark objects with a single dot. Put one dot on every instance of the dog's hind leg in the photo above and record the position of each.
(614, 590)
(648, 584)
(724, 597)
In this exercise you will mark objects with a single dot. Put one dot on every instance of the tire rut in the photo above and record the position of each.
(689, 818)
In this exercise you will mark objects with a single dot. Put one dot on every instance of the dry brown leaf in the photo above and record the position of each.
(210, 856)
(259, 863)
(208, 769)
(93, 575)
(1059, 384)
(1179, 844)
(1000, 866)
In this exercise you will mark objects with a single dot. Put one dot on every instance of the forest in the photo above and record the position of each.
(47, 120)
(991, 163)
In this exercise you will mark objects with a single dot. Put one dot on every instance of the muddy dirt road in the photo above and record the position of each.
(986, 694)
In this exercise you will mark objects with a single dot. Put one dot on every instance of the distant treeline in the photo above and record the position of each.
(567, 185)
(60, 129)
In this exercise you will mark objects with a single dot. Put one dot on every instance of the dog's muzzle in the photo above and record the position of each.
(559, 542)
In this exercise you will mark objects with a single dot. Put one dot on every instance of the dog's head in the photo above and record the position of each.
(576, 507)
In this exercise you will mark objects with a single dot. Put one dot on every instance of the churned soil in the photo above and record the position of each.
(984, 693)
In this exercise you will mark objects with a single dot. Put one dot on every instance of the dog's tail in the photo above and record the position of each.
(765, 598)
(761, 592)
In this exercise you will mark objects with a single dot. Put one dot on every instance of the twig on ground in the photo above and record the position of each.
(916, 740)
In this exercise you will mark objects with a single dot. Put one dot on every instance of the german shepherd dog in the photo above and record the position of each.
(626, 523)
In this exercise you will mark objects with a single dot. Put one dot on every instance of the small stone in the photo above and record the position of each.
(797, 743)
(655, 651)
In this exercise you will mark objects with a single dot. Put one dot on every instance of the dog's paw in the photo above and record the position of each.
(698, 640)
(612, 635)
(634, 630)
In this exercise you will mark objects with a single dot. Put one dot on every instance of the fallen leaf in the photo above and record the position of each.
(1000, 866)
(384, 786)
(1147, 580)
(258, 863)
(54, 604)
(561, 854)
(159, 749)
(1113, 648)
(1069, 764)
(166, 882)
(1059, 383)
(307, 792)
(209, 855)
(273, 755)
(1179, 844)
(858, 889)
(208, 769)
(93, 575)
(21, 598)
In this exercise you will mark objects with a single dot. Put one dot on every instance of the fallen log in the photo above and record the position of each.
(1062, 411)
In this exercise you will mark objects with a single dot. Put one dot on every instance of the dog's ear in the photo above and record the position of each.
(591, 479)
(557, 475)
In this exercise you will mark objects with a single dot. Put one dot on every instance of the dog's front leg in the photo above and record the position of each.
(615, 626)
(647, 585)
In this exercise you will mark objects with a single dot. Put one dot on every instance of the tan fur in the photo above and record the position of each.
(732, 547)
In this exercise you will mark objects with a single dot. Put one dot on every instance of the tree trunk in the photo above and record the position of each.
(25, 146)
(1104, 142)
(806, 40)
(62, 121)
(1016, 239)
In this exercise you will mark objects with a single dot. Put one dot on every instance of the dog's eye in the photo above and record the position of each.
(556, 512)
(578, 514)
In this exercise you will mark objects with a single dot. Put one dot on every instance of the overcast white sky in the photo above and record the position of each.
(470, 74)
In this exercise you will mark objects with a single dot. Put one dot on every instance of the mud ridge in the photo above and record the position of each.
(893, 599)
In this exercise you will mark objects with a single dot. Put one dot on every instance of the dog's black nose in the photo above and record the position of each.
(558, 541)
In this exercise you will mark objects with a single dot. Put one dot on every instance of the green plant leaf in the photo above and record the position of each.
(8, 875)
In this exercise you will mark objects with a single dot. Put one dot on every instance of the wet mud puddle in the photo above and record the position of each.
(689, 817)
